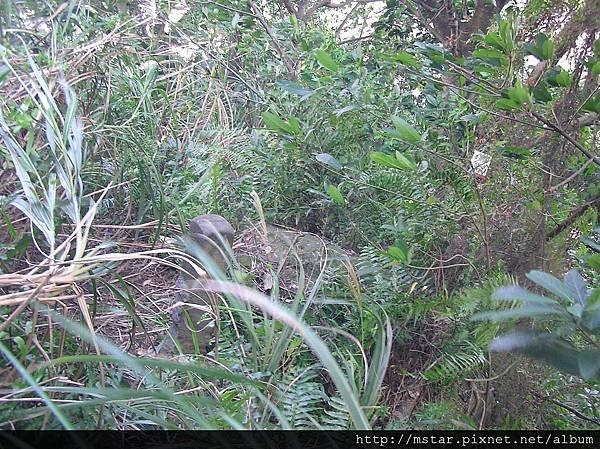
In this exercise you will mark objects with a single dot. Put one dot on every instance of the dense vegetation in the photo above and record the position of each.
(447, 150)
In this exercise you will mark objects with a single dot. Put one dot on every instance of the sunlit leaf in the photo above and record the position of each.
(515, 152)
(275, 123)
(563, 78)
(328, 159)
(390, 161)
(487, 53)
(407, 59)
(335, 194)
(406, 132)
(326, 60)
(519, 95)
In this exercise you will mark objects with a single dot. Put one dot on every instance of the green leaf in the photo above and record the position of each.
(487, 53)
(407, 59)
(519, 95)
(596, 68)
(494, 40)
(515, 152)
(563, 78)
(547, 49)
(274, 123)
(593, 104)
(294, 88)
(551, 284)
(543, 48)
(392, 162)
(399, 252)
(507, 104)
(531, 49)
(328, 159)
(506, 32)
(406, 162)
(294, 125)
(335, 194)
(406, 132)
(23, 120)
(589, 364)
(326, 60)
(541, 93)
(594, 261)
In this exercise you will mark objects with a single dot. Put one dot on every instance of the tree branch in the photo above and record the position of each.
(290, 8)
(567, 136)
(286, 59)
(567, 37)
(416, 11)
(573, 216)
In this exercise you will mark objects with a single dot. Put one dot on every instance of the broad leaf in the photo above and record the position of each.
(274, 123)
(590, 243)
(551, 284)
(515, 292)
(589, 364)
(578, 286)
(390, 161)
(546, 347)
(507, 104)
(328, 159)
(515, 152)
(590, 317)
(335, 194)
(486, 53)
(399, 252)
(326, 60)
(541, 93)
(407, 59)
(563, 78)
(294, 88)
(519, 95)
(594, 261)
(406, 132)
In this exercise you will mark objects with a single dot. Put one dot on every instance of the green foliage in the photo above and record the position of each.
(543, 48)
(574, 313)
(116, 132)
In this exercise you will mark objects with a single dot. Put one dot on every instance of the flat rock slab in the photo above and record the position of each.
(289, 253)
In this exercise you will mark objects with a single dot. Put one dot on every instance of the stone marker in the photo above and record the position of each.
(213, 234)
